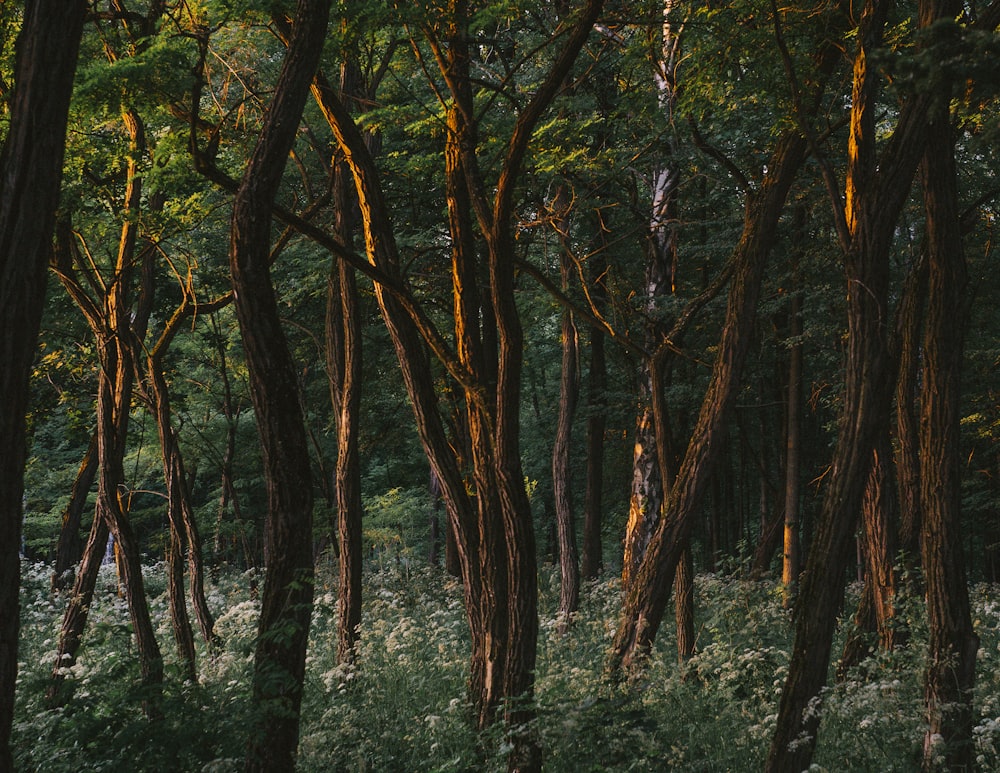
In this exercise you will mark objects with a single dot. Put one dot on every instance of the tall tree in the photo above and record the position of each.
(344, 360)
(497, 544)
(30, 174)
(117, 318)
(877, 187)
(286, 604)
(659, 282)
(791, 561)
(569, 395)
(953, 642)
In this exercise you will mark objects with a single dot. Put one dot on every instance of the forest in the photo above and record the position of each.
(480, 385)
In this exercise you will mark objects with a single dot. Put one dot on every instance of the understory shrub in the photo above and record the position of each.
(403, 705)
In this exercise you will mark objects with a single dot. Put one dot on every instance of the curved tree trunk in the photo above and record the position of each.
(115, 324)
(180, 512)
(286, 604)
(30, 174)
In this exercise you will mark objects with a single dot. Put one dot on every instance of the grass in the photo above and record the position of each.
(403, 706)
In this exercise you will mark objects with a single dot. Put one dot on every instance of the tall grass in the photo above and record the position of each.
(403, 706)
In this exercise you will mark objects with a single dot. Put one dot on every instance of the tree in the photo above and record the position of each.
(30, 172)
(877, 186)
(953, 642)
(286, 604)
(569, 395)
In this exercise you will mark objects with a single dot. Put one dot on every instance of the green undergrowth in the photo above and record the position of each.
(403, 706)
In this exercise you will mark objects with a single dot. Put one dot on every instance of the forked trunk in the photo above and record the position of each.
(647, 594)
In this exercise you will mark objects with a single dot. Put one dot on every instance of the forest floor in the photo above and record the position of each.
(403, 706)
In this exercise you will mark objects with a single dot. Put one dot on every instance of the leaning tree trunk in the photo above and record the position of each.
(69, 547)
(30, 174)
(286, 604)
(180, 512)
(950, 676)
(114, 324)
(114, 399)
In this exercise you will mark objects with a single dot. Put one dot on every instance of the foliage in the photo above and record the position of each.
(402, 706)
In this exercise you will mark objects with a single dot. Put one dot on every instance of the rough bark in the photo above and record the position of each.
(875, 618)
(647, 493)
(286, 603)
(115, 323)
(180, 512)
(950, 676)
(907, 457)
(30, 174)
(344, 357)
(684, 605)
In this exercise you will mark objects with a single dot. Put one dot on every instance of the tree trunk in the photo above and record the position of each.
(592, 561)
(907, 457)
(684, 605)
(344, 360)
(879, 517)
(348, 407)
(114, 399)
(791, 561)
(75, 618)
(30, 175)
(115, 324)
(876, 609)
(950, 676)
(286, 604)
(69, 548)
(181, 624)
(569, 392)
(180, 512)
